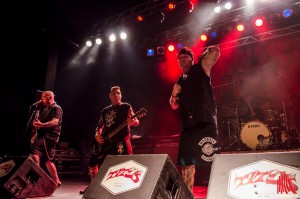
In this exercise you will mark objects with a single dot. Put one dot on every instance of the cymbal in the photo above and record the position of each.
(228, 111)
(237, 104)
(235, 108)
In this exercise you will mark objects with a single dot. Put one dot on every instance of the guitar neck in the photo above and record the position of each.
(116, 130)
(140, 113)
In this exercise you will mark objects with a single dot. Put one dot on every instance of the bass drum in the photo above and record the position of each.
(255, 135)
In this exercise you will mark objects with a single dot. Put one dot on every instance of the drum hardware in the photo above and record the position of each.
(290, 139)
(238, 127)
(291, 134)
(271, 118)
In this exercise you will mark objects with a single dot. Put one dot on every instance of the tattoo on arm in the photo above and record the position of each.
(211, 57)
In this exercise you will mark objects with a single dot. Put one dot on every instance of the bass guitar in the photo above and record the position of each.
(100, 149)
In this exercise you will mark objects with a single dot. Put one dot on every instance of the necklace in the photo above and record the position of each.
(184, 76)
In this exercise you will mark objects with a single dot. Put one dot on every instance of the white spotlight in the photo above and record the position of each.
(123, 35)
(112, 37)
(98, 41)
(217, 9)
(88, 43)
(228, 6)
(250, 1)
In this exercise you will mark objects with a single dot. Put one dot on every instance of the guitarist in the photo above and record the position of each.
(111, 117)
(48, 125)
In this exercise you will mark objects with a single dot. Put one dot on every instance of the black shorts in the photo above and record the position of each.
(198, 145)
(44, 147)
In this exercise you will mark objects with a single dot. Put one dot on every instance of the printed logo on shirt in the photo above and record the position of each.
(109, 118)
(120, 148)
(208, 149)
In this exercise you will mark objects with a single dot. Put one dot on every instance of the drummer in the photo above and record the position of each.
(258, 113)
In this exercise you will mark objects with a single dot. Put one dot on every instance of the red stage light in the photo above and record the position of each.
(240, 27)
(171, 48)
(139, 18)
(203, 37)
(259, 22)
(171, 6)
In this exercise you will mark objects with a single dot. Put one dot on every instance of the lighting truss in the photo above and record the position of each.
(226, 18)
(261, 37)
(145, 9)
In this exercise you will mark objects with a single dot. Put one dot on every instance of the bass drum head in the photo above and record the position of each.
(254, 134)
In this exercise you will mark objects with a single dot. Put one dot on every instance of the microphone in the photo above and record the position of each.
(36, 103)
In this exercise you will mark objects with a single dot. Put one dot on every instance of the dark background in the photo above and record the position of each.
(48, 35)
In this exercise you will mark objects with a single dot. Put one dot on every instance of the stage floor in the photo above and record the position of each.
(72, 185)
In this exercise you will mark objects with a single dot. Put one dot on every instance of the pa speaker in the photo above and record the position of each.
(255, 175)
(148, 176)
(23, 178)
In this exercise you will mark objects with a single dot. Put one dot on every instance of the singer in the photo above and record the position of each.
(48, 126)
(193, 95)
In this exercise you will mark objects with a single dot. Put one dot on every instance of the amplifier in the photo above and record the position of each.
(70, 162)
(167, 145)
(142, 145)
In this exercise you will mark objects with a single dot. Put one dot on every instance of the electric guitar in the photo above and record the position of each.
(100, 149)
(34, 130)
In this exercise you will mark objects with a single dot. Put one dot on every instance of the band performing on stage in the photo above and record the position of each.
(217, 81)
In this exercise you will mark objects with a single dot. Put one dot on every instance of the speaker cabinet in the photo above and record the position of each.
(167, 145)
(255, 175)
(23, 178)
(148, 176)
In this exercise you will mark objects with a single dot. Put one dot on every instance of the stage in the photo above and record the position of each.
(72, 185)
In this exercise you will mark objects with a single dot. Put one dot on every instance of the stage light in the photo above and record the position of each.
(139, 18)
(123, 35)
(203, 37)
(259, 22)
(171, 6)
(250, 1)
(112, 37)
(171, 48)
(287, 13)
(150, 52)
(213, 34)
(89, 43)
(227, 6)
(162, 17)
(160, 50)
(191, 6)
(240, 27)
(179, 45)
(98, 41)
(217, 9)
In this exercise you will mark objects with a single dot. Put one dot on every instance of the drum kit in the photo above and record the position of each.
(269, 132)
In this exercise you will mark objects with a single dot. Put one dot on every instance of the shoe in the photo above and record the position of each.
(59, 184)
(83, 191)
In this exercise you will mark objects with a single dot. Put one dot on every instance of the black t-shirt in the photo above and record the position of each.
(196, 99)
(47, 114)
(114, 118)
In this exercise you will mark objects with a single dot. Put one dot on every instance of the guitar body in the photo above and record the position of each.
(112, 139)
(98, 149)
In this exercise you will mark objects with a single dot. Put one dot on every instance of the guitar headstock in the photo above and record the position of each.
(140, 113)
